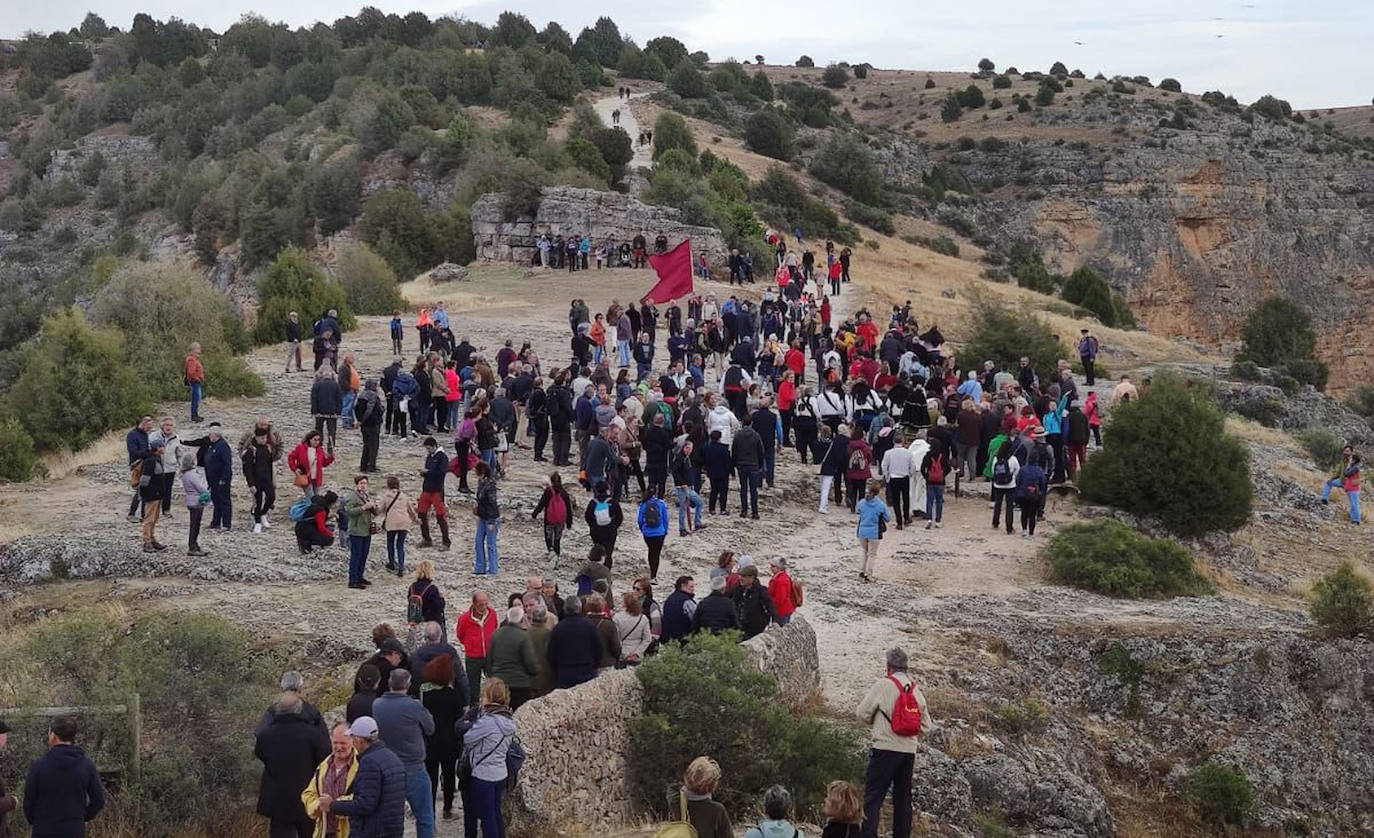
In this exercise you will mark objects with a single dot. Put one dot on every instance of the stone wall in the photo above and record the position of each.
(605, 216)
(577, 740)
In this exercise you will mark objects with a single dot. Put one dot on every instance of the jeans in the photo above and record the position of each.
(622, 348)
(749, 489)
(347, 413)
(484, 546)
(888, 769)
(421, 799)
(453, 412)
(935, 503)
(553, 538)
(396, 549)
(1333, 483)
(770, 459)
(223, 515)
(686, 495)
(1354, 499)
(486, 804)
(358, 548)
(195, 398)
(596, 356)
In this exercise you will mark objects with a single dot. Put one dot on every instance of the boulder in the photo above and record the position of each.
(448, 272)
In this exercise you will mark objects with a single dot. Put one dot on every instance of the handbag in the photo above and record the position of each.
(301, 480)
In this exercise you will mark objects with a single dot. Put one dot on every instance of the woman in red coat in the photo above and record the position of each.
(308, 461)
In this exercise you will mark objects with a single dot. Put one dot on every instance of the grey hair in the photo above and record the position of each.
(515, 615)
(291, 681)
(188, 461)
(573, 604)
(538, 614)
(432, 632)
(288, 703)
(776, 803)
(399, 681)
(896, 658)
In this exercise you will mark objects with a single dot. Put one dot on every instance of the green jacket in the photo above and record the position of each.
(511, 656)
(358, 519)
(539, 640)
(993, 447)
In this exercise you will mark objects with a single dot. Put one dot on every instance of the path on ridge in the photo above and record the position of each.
(644, 155)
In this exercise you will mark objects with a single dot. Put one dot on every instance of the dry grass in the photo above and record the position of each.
(108, 448)
(489, 284)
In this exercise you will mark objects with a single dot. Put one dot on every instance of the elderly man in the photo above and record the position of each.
(289, 748)
(552, 601)
(575, 647)
(473, 632)
(219, 473)
(892, 756)
(433, 646)
(332, 778)
(404, 723)
(291, 682)
(512, 657)
(378, 804)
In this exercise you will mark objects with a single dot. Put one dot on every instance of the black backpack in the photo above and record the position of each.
(1001, 470)
(652, 518)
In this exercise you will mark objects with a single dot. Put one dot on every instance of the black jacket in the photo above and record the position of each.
(378, 807)
(436, 469)
(657, 442)
(574, 651)
(62, 793)
(755, 606)
(715, 614)
(446, 705)
(560, 406)
(289, 749)
(359, 705)
(676, 623)
(326, 399)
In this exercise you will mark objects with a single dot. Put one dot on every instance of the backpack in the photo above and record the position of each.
(936, 475)
(415, 606)
(652, 518)
(857, 460)
(796, 591)
(555, 511)
(299, 509)
(1001, 470)
(678, 829)
(602, 513)
(906, 711)
(135, 474)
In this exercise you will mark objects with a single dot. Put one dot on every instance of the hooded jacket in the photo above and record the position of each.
(62, 793)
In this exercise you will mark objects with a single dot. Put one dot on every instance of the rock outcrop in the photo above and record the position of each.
(607, 217)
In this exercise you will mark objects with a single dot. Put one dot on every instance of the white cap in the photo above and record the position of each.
(363, 726)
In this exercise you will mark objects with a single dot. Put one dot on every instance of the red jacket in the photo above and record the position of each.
(194, 371)
(298, 461)
(795, 360)
(780, 590)
(474, 635)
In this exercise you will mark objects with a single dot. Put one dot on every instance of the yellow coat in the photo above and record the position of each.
(311, 796)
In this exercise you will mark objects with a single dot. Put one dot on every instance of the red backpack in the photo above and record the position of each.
(555, 511)
(906, 711)
(936, 475)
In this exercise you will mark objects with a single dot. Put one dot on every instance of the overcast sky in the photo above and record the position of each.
(1307, 52)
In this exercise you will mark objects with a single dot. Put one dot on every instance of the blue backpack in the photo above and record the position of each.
(299, 509)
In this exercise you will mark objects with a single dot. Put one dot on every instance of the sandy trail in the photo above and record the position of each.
(644, 154)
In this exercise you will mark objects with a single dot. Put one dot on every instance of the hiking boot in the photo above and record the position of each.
(158, 545)
(390, 565)
(425, 544)
(754, 515)
(195, 551)
(365, 582)
(257, 528)
(149, 548)
(357, 586)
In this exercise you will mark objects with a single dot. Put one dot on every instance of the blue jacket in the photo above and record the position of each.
(870, 511)
(405, 386)
(62, 793)
(395, 327)
(219, 463)
(677, 623)
(137, 443)
(378, 807)
(662, 528)
(716, 459)
(436, 469)
(583, 413)
(1030, 475)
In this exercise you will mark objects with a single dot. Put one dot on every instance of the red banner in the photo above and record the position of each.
(674, 269)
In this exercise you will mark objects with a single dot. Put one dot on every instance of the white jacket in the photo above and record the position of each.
(722, 419)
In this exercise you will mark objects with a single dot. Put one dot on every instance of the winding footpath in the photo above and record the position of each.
(644, 155)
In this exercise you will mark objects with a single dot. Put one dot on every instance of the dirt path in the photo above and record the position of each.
(628, 121)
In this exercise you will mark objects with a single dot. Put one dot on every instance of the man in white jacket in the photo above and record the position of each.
(723, 419)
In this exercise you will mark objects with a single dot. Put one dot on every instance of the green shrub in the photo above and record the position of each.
(18, 460)
(1221, 795)
(1171, 85)
(1343, 603)
(1028, 266)
(704, 697)
(688, 82)
(848, 165)
(400, 229)
(1272, 107)
(1085, 288)
(1002, 335)
(861, 70)
(1001, 82)
(671, 131)
(769, 133)
(950, 108)
(939, 244)
(870, 216)
(1028, 715)
(1323, 446)
(295, 283)
(368, 282)
(1279, 334)
(1044, 97)
(1362, 400)
(1110, 558)
(1199, 481)
(77, 383)
(805, 61)
(381, 125)
(834, 76)
(334, 195)
(780, 200)
(189, 310)
(971, 97)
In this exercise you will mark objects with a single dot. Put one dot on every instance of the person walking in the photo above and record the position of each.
(934, 467)
(289, 749)
(604, 517)
(403, 724)
(718, 465)
(749, 456)
(873, 517)
(488, 513)
(858, 468)
(194, 374)
(473, 631)
(398, 513)
(308, 461)
(333, 777)
(512, 657)
(896, 471)
(62, 791)
(349, 386)
(397, 333)
(558, 509)
(653, 526)
(887, 708)
(326, 403)
(432, 494)
(446, 705)
(293, 340)
(1005, 467)
(1076, 430)
(486, 744)
(358, 509)
(219, 471)
(376, 807)
(689, 503)
(259, 456)
(1031, 486)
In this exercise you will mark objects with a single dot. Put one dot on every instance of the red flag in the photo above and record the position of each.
(674, 269)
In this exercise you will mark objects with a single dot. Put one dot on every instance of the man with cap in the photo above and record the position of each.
(717, 612)
(289, 749)
(1087, 354)
(753, 603)
(377, 808)
(780, 590)
(892, 757)
(219, 473)
(8, 802)
(404, 723)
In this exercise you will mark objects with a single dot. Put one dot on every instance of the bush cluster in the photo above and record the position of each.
(704, 697)
(1221, 795)
(1110, 558)
(1199, 481)
(1002, 335)
(1278, 334)
(769, 133)
(1323, 446)
(847, 164)
(1343, 602)
(781, 200)
(1085, 288)
(296, 283)
(870, 216)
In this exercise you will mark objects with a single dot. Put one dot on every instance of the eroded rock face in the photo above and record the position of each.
(607, 217)
(138, 154)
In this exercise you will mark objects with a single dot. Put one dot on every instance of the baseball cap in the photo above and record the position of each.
(391, 644)
(363, 726)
